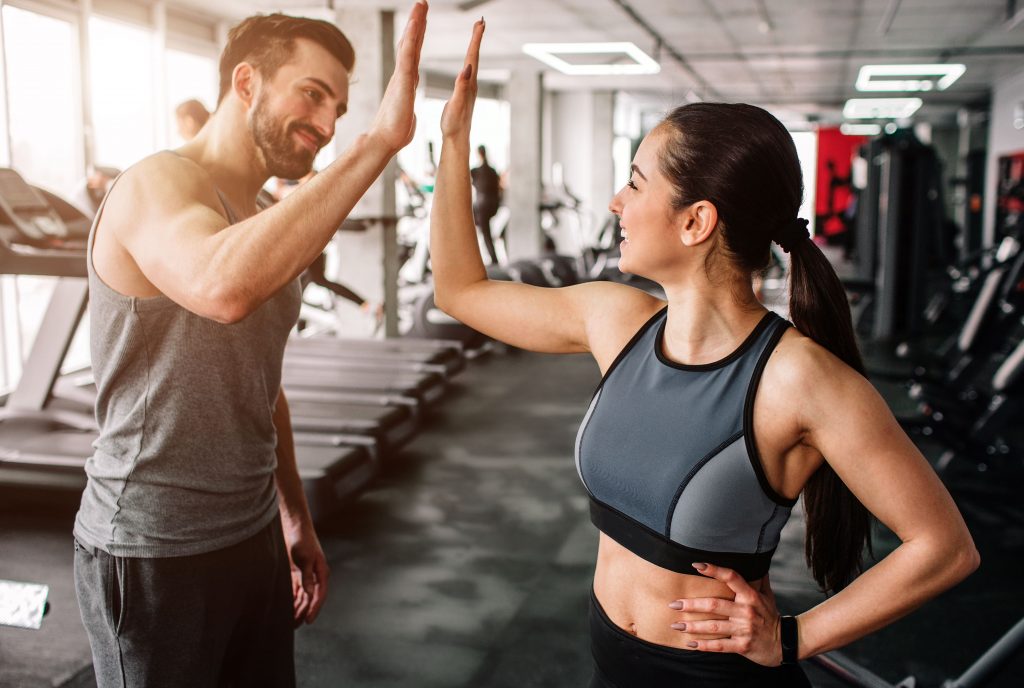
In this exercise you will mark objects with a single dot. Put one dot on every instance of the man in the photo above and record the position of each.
(487, 198)
(190, 115)
(193, 507)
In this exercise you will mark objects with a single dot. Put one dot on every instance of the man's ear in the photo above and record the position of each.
(244, 82)
(697, 222)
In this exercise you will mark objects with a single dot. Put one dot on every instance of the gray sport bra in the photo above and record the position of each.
(666, 453)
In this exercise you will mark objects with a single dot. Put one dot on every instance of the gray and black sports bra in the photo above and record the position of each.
(667, 455)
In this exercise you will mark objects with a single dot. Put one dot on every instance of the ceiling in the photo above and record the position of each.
(792, 55)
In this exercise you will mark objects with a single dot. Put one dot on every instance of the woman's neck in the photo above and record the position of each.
(707, 322)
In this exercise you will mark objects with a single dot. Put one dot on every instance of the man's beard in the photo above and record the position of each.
(284, 158)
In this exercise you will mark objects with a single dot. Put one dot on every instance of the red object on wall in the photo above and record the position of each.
(835, 151)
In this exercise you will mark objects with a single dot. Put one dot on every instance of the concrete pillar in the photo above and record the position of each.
(525, 95)
(367, 261)
(602, 168)
(582, 135)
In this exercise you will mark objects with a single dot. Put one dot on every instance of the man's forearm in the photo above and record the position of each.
(254, 258)
(292, 499)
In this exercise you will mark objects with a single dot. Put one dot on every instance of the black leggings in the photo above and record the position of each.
(622, 660)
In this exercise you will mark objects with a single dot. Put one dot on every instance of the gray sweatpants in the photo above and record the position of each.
(223, 618)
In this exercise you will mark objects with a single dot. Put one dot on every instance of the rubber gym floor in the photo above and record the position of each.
(469, 562)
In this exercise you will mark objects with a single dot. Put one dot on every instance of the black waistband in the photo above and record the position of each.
(660, 551)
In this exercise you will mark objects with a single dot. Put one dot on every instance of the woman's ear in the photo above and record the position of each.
(697, 222)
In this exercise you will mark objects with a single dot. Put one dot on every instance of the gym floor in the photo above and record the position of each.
(469, 563)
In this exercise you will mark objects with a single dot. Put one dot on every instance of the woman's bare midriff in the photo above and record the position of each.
(635, 595)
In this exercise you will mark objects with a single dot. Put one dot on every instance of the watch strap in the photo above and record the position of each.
(788, 636)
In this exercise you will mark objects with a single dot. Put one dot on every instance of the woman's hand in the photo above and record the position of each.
(752, 624)
(458, 111)
(395, 123)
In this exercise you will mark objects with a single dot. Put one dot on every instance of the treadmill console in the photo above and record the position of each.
(26, 217)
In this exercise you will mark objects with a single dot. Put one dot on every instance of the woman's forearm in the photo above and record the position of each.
(454, 254)
(908, 577)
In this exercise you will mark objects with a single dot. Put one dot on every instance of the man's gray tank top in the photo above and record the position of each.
(667, 455)
(185, 459)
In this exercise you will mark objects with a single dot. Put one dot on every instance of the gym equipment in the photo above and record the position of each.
(978, 675)
(901, 230)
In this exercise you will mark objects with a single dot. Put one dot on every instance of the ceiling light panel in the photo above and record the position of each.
(606, 58)
(919, 77)
(880, 108)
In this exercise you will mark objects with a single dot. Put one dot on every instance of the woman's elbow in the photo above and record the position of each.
(968, 559)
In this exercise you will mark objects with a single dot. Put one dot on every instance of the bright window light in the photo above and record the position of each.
(123, 99)
(880, 108)
(848, 129)
(919, 77)
(640, 62)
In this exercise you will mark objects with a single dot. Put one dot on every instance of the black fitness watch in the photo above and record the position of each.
(788, 635)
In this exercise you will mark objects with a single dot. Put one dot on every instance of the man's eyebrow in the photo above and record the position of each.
(636, 169)
(322, 84)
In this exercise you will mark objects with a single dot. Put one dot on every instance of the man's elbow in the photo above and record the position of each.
(220, 302)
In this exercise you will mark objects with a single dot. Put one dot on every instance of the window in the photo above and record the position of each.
(41, 56)
(42, 88)
(121, 78)
(188, 76)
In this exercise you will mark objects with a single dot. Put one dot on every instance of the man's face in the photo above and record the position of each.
(294, 112)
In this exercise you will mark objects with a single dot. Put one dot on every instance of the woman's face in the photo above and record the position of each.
(651, 244)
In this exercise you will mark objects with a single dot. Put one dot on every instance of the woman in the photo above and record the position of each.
(713, 414)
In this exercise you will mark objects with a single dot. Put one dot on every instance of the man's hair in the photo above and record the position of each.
(194, 109)
(268, 41)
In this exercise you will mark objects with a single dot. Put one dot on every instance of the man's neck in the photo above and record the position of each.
(225, 149)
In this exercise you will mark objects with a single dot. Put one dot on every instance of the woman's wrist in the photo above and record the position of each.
(789, 639)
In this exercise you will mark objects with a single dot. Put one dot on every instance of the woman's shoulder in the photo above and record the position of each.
(615, 313)
(800, 370)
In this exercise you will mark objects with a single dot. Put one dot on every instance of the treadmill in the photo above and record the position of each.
(44, 440)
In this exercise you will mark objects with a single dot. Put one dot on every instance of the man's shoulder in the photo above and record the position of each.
(158, 183)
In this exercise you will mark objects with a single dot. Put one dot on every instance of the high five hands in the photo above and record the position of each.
(458, 111)
(395, 122)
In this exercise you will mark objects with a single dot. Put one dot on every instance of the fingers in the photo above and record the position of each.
(710, 605)
(300, 599)
(736, 645)
(473, 51)
(411, 44)
(321, 574)
(734, 580)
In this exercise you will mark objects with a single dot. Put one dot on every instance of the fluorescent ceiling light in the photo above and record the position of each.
(923, 77)
(548, 53)
(860, 129)
(880, 108)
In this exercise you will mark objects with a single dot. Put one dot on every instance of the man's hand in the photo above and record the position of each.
(309, 571)
(395, 123)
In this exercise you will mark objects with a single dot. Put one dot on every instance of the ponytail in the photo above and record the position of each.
(838, 525)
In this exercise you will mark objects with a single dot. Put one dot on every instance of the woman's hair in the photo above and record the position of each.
(742, 160)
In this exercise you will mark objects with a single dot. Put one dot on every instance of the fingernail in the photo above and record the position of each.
(678, 604)
(467, 72)
(678, 626)
(700, 567)
(691, 644)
